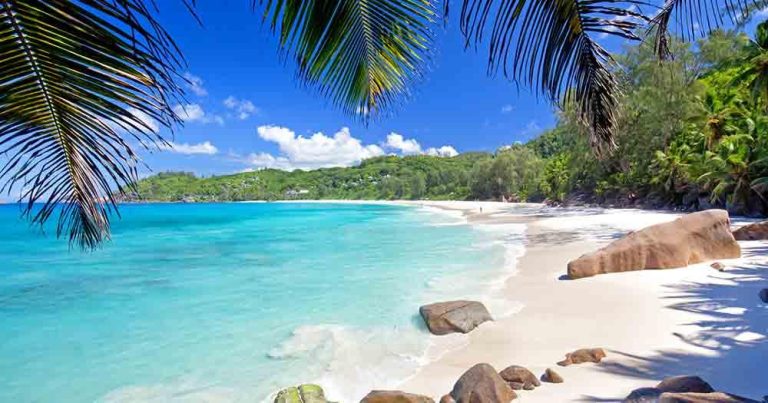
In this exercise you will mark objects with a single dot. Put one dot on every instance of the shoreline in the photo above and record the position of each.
(652, 324)
(656, 327)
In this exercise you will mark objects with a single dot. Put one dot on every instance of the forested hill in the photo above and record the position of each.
(693, 134)
(413, 177)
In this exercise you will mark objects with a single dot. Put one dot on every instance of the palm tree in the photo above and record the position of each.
(77, 80)
(756, 74)
(720, 114)
(733, 171)
(78, 76)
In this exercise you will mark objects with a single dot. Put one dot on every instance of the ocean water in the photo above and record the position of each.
(230, 302)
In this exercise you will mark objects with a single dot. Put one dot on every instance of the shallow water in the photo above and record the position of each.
(229, 302)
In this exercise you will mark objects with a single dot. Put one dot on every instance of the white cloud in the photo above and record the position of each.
(205, 148)
(444, 151)
(189, 112)
(315, 151)
(243, 108)
(321, 151)
(147, 120)
(507, 108)
(195, 84)
(195, 113)
(264, 160)
(406, 146)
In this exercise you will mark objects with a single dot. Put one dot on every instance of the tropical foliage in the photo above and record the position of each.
(79, 77)
(691, 136)
(77, 81)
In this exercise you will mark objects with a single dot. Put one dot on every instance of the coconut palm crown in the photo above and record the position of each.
(79, 79)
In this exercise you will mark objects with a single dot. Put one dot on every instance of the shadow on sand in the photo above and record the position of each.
(731, 348)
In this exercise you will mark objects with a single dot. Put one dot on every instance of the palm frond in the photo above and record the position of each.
(362, 54)
(75, 77)
(696, 18)
(550, 45)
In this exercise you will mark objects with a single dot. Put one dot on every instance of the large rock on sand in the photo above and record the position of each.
(454, 316)
(693, 238)
(685, 384)
(674, 385)
(713, 397)
(516, 375)
(752, 232)
(480, 384)
(394, 396)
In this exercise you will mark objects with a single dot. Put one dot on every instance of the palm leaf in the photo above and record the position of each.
(362, 54)
(695, 18)
(550, 45)
(76, 77)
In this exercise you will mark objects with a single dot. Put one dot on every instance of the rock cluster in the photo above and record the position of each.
(480, 383)
(693, 238)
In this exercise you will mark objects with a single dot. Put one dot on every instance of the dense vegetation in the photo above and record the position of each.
(693, 133)
(414, 177)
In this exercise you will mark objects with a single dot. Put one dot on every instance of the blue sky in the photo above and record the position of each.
(247, 111)
(244, 85)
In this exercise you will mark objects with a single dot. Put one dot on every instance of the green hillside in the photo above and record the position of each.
(693, 134)
(414, 177)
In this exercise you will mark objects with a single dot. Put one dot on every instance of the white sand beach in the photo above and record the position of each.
(652, 324)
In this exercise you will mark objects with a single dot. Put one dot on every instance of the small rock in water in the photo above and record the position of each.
(718, 266)
(583, 355)
(551, 376)
(454, 316)
(764, 297)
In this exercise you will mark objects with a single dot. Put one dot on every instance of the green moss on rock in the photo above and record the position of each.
(312, 394)
(307, 393)
(288, 395)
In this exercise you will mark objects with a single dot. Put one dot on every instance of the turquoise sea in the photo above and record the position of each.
(230, 302)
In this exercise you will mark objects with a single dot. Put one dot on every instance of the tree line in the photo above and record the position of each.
(692, 134)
